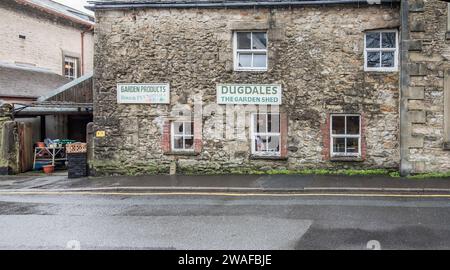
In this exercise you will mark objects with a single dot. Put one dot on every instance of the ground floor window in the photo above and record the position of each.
(265, 134)
(345, 135)
(182, 136)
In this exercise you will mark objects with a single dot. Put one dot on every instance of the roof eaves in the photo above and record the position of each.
(95, 4)
(55, 13)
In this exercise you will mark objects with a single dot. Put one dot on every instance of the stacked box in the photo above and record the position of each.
(77, 165)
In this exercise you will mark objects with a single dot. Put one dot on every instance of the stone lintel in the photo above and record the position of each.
(249, 25)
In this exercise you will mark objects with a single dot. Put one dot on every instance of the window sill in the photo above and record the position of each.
(381, 70)
(347, 158)
(267, 157)
(250, 70)
(181, 153)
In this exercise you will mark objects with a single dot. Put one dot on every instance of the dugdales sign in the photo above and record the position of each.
(260, 94)
(143, 93)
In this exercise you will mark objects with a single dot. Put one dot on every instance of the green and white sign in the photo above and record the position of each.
(143, 93)
(260, 94)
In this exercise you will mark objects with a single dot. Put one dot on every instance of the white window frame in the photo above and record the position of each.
(253, 135)
(332, 136)
(236, 51)
(184, 136)
(395, 50)
(73, 60)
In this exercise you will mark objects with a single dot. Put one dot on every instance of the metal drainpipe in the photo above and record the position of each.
(405, 127)
(82, 47)
(82, 53)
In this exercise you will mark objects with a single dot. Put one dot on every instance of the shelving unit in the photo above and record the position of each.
(49, 154)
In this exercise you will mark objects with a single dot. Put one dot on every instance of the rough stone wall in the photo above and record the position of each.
(429, 54)
(9, 147)
(46, 39)
(315, 53)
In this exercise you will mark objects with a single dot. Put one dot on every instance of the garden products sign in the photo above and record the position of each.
(143, 93)
(261, 94)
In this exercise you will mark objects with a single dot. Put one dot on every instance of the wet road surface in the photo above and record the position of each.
(221, 222)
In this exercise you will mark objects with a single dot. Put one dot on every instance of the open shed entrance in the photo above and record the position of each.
(55, 120)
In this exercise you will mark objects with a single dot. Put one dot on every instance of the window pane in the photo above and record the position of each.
(338, 125)
(178, 142)
(353, 125)
(259, 60)
(387, 59)
(273, 143)
(339, 145)
(388, 40)
(273, 123)
(243, 40)
(188, 128)
(245, 60)
(260, 123)
(352, 145)
(373, 40)
(178, 128)
(373, 59)
(259, 40)
(189, 142)
(259, 143)
(265, 141)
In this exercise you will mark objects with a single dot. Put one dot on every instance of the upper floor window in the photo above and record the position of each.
(250, 51)
(381, 50)
(265, 134)
(70, 67)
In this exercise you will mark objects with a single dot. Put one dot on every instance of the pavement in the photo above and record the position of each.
(59, 182)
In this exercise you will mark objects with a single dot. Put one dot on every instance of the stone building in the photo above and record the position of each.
(46, 35)
(425, 86)
(330, 74)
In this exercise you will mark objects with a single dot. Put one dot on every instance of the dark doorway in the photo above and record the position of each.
(77, 127)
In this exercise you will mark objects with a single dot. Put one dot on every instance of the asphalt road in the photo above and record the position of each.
(222, 222)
